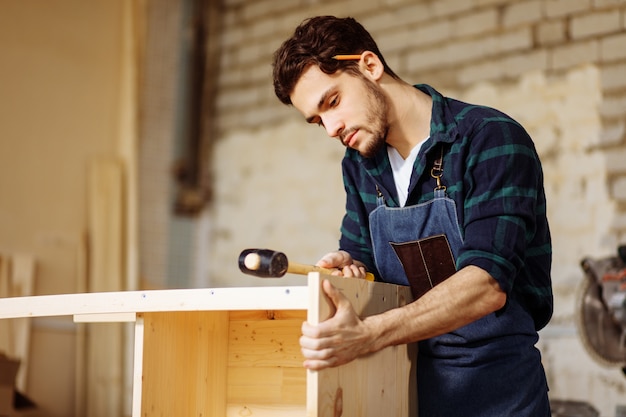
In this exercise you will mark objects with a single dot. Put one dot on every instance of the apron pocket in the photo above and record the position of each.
(426, 262)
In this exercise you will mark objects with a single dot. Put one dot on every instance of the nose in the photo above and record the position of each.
(333, 126)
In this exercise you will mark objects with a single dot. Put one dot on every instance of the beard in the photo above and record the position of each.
(377, 121)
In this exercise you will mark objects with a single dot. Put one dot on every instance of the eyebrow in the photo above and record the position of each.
(321, 102)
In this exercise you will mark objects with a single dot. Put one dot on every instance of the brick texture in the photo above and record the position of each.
(597, 23)
(551, 32)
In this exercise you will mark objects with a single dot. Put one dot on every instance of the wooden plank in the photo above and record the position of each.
(80, 374)
(264, 410)
(105, 318)
(264, 360)
(266, 385)
(106, 273)
(210, 299)
(185, 364)
(22, 283)
(4, 276)
(268, 314)
(17, 275)
(106, 225)
(138, 367)
(361, 387)
(265, 343)
(5, 325)
(22, 275)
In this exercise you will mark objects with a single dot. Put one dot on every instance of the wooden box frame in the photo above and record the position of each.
(235, 351)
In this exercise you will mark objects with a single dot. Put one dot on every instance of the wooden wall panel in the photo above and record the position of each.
(185, 357)
(265, 362)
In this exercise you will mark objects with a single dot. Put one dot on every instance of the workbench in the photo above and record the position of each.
(235, 351)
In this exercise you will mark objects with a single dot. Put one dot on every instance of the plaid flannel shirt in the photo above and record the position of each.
(493, 173)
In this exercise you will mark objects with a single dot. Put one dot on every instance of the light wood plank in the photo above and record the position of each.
(138, 367)
(366, 387)
(105, 318)
(185, 364)
(266, 385)
(17, 276)
(106, 273)
(210, 299)
(265, 343)
(265, 362)
(273, 314)
(263, 410)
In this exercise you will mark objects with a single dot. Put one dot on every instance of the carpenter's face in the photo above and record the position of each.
(351, 108)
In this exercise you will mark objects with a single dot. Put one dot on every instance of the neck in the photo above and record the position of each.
(409, 115)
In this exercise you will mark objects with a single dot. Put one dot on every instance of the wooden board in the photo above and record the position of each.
(17, 276)
(104, 355)
(204, 299)
(383, 384)
(265, 373)
(185, 364)
(222, 364)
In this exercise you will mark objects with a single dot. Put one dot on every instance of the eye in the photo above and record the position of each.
(334, 101)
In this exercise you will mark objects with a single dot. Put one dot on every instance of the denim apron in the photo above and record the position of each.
(489, 368)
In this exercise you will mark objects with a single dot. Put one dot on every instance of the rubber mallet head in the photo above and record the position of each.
(263, 263)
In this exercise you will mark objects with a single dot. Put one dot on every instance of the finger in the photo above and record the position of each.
(353, 271)
(309, 330)
(318, 365)
(336, 272)
(330, 260)
(315, 337)
(316, 354)
(347, 271)
(360, 272)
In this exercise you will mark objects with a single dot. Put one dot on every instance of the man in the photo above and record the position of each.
(444, 196)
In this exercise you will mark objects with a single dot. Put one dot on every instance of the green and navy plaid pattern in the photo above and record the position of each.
(493, 173)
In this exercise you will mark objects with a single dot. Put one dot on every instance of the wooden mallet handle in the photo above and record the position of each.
(267, 263)
(302, 269)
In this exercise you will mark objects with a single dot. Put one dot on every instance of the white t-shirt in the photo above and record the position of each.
(402, 170)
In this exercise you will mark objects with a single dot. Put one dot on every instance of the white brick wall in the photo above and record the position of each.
(613, 48)
(523, 12)
(597, 23)
(559, 8)
(574, 54)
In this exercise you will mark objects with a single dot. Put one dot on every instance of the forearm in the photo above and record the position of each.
(468, 295)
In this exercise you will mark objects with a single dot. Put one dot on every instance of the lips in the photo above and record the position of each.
(350, 138)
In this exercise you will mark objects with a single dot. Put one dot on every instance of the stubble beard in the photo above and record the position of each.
(378, 124)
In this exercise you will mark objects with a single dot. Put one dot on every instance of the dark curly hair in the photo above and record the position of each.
(315, 41)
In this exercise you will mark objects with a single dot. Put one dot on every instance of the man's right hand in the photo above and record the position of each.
(339, 339)
(343, 264)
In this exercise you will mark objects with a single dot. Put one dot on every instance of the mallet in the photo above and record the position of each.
(267, 263)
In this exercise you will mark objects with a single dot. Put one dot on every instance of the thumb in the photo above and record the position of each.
(328, 261)
(336, 297)
(337, 259)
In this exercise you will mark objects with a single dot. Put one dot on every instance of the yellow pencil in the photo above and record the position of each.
(346, 57)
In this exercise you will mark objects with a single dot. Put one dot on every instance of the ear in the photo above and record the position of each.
(371, 65)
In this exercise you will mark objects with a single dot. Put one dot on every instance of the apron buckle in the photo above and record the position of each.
(437, 173)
